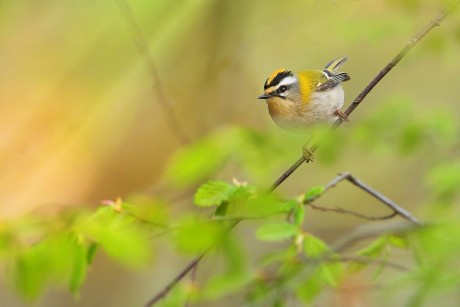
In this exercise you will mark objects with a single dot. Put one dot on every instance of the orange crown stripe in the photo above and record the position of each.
(274, 74)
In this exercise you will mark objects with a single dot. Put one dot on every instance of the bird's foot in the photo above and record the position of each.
(308, 155)
(342, 115)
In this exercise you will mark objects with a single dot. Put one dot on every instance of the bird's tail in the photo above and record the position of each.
(335, 64)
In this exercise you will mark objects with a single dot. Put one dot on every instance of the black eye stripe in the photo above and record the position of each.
(282, 89)
(277, 79)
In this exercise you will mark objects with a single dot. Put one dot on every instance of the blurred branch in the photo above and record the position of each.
(371, 261)
(397, 210)
(346, 241)
(412, 42)
(366, 232)
(144, 49)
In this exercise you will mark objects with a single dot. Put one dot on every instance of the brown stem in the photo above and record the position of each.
(350, 212)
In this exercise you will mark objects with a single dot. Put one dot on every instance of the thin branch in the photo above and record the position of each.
(350, 212)
(412, 42)
(397, 210)
(372, 231)
(176, 279)
(401, 211)
(144, 49)
(367, 260)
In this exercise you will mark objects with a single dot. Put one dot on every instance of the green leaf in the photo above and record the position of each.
(195, 235)
(276, 231)
(235, 274)
(299, 214)
(313, 193)
(79, 269)
(398, 241)
(314, 247)
(57, 259)
(309, 289)
(196, 162)
(331, 273)
(376, 248)
(445, 180)
(411, 137)
(121, 236)
(256, 206)
(200, 160)
(278, 256)
(213, 193)
(222, 285)
(91, 252)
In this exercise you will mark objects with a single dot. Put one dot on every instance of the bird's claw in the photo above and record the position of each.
(308, 155)
(342, 115)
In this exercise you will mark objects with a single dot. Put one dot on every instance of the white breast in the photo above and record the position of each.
(323, 105)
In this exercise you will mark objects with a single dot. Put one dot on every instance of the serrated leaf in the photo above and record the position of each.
(276, 231)
(213, 193)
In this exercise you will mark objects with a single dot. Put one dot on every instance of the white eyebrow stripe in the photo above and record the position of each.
(287, 81)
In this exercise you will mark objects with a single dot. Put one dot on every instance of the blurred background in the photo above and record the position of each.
(83, 117)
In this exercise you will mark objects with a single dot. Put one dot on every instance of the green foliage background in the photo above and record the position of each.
(80, 124)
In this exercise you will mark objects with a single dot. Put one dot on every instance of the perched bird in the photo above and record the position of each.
(300, 99)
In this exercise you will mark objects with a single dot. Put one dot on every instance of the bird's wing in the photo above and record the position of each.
(331, 80)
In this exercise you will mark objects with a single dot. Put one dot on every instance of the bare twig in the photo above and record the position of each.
(144, 49)
(350, 212)
(385, 200)
(412, 42)
(401, 211)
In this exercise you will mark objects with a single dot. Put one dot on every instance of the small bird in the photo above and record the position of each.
(301, 99)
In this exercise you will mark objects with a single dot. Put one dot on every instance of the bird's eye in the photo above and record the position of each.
(282, 89)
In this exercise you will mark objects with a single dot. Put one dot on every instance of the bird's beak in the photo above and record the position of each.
(264, 96)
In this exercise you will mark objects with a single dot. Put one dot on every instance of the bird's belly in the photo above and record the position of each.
(323, 105)
(321, 109)
(284, 113)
